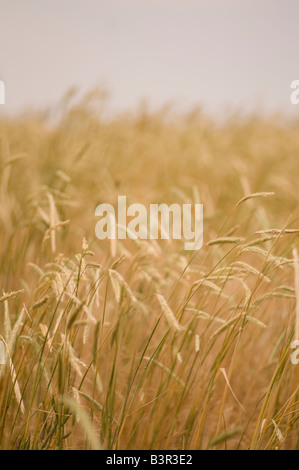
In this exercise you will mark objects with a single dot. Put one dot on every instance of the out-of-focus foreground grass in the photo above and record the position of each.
(94, 357)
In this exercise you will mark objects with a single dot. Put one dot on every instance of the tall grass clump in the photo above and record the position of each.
(140, 344)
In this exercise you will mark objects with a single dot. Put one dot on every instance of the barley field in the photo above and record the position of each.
(140, 344)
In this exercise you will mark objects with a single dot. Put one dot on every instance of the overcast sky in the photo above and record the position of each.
(216, 53)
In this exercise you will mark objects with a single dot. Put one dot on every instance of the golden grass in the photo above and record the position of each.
(140, 344)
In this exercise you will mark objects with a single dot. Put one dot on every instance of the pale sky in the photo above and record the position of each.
(220, 54)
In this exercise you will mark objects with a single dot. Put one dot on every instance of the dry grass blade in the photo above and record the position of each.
(169, 314)
(13, 374)
(226, 436)
(166, 369)
(10, 295)
(84, 420)
(254, 195)
(277, 231)
(231, 390)
(197, 343)
(224, 241)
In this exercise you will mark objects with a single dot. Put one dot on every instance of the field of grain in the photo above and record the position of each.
(141, 344)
